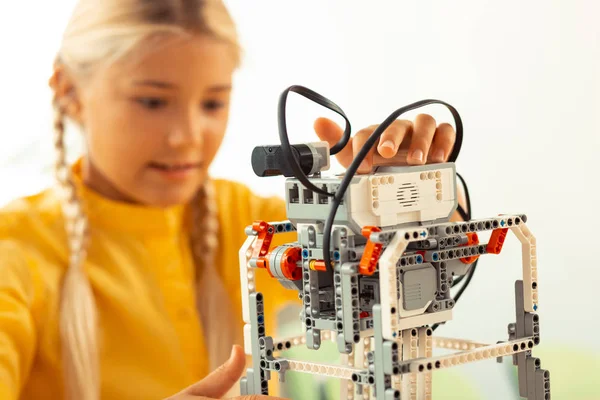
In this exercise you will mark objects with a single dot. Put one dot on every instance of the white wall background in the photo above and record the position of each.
(525, 77)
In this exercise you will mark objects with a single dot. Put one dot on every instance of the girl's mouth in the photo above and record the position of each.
(176, 170)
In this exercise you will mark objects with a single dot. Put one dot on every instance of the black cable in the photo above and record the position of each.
(462, 289)
(468, 279)
(466, 216)
(294, 163)
(459, 279)
(358, 159)
(463, 214)
(286, 147)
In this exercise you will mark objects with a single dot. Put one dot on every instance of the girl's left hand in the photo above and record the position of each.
(402, 143)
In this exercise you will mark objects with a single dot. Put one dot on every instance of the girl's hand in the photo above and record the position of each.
(220, 381)
(403, 142)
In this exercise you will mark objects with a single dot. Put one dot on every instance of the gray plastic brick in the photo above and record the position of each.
(259, 383)
(350, 315)
(419, 287)
(325, 324)
(542, 384)
(382, 380)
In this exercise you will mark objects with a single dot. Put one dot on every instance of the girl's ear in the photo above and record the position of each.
(65, 93)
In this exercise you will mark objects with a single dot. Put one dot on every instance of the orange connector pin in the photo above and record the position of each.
(317, 265)
(497, 241)
(265, 236)
(473, 240)
(372, 252)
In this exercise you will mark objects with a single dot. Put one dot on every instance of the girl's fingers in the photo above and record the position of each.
(358, 142)
(402, 142)
(390, 141)
(330, 132)
(392, 138)
(218, 382)
(423, 133)
(442, 144)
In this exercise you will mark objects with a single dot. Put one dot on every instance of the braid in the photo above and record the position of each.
(78, 317)
(212, 299)
(205, 216)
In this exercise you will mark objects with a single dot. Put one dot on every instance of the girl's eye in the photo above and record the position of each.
(213, 105)
(151, 102)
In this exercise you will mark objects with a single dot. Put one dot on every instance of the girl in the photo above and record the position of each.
(122, 281)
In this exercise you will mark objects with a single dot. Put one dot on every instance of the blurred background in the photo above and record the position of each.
(525, 77)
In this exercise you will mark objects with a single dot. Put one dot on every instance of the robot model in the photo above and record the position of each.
(375, 258)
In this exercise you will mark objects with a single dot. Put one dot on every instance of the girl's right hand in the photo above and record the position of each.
(220, 381)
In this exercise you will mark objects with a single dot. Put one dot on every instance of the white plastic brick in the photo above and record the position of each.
(248, 339)
(333, 371)
(300, 340)
(456, 344)
(530, 270)
(425, 350)
(246, 276)
(410, 351)
(474, 355)
(426, 195)
(425, 319)
(388, 282)
(347, 388)
(414, 353)
(428, 377)
(367, 333)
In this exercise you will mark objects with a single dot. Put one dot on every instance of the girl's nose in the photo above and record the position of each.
(188, 133)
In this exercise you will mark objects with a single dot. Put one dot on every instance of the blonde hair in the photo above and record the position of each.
(103, 31)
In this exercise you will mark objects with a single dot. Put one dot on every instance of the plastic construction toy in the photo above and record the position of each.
(374, 263)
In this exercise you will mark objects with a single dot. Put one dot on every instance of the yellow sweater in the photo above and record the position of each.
(140, 269)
